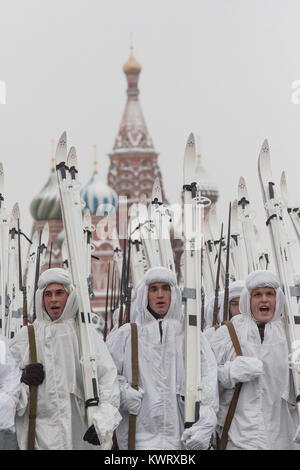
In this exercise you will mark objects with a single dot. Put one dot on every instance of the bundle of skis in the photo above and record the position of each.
(214, 255)
(20, 262)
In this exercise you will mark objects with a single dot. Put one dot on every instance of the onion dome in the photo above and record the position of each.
(132, 67)
(99, 198)
(207, 187)
(46, 205)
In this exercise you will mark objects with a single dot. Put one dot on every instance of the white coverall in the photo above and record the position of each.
(265, 416)
(9, 396)
(160, 420)
(61, 417)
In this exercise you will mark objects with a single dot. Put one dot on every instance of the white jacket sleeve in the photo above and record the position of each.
(209, 374)
(130, 399)
(9, 386)
(241, 369)
(198, 436)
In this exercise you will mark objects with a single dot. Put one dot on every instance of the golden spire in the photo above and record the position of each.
(95, 159)
(132, 66)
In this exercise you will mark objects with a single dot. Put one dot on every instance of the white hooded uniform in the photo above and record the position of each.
(9, 395)
(159, 421)
(265, 416)
(61, 417)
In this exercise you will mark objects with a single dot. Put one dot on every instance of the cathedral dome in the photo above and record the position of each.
(99, 198)
(132, 66)
(46, 205)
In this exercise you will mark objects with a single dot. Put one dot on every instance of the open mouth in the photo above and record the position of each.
(55, 309)
(264, 309)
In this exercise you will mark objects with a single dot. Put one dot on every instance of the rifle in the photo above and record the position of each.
(50, 255)
(122, 289)
(226, 287)
(106, 305)
(217, 281)
(22, 286)
(128, 287)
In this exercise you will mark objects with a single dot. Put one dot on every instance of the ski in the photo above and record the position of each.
(292, 210)
(4, 228)
(191, 292)
(247, 225)
(275, 223)
(69, 190)
(237, 244)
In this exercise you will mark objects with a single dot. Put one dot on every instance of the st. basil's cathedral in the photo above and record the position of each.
(133, 169)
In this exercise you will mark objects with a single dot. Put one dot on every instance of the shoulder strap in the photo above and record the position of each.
(234, 401)
(32, 391)
(32, 345)
(234, 338)
(134, 356)
(134, 383)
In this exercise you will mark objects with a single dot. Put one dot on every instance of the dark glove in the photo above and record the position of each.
(91, 436)
(33, 374)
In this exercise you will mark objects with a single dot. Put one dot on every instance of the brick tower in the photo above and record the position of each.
(133, 160)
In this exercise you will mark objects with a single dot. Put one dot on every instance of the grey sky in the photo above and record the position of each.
(223, 69)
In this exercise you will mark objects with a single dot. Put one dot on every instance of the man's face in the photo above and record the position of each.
(234, 307)
(263, 303)
(55, 298)
(159, 297)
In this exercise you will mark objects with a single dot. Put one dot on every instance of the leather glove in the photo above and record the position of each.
(198, 436)
(91, 436)
(131, 399)
(244, 369)
(33, 374)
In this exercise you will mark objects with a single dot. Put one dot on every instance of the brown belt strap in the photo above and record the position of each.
(32, 391)
(135, 382)
(233, 403)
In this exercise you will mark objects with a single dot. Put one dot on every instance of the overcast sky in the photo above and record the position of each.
(223, 69)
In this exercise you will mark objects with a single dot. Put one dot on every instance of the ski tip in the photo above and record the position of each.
(72, 158)
(242, 181)
(283, 178)
(1, 178)
(283, 188)
(265, 148)
(156, 191)
(15, 213)
(189, 163)
(190, 143)
(242, 188)
(61, 149)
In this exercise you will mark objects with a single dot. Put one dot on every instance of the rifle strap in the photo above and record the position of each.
(32, 391)
(233, 403)
(134, 384)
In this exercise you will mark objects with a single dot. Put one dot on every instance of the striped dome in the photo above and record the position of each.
(98, 197)
(46, 205)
